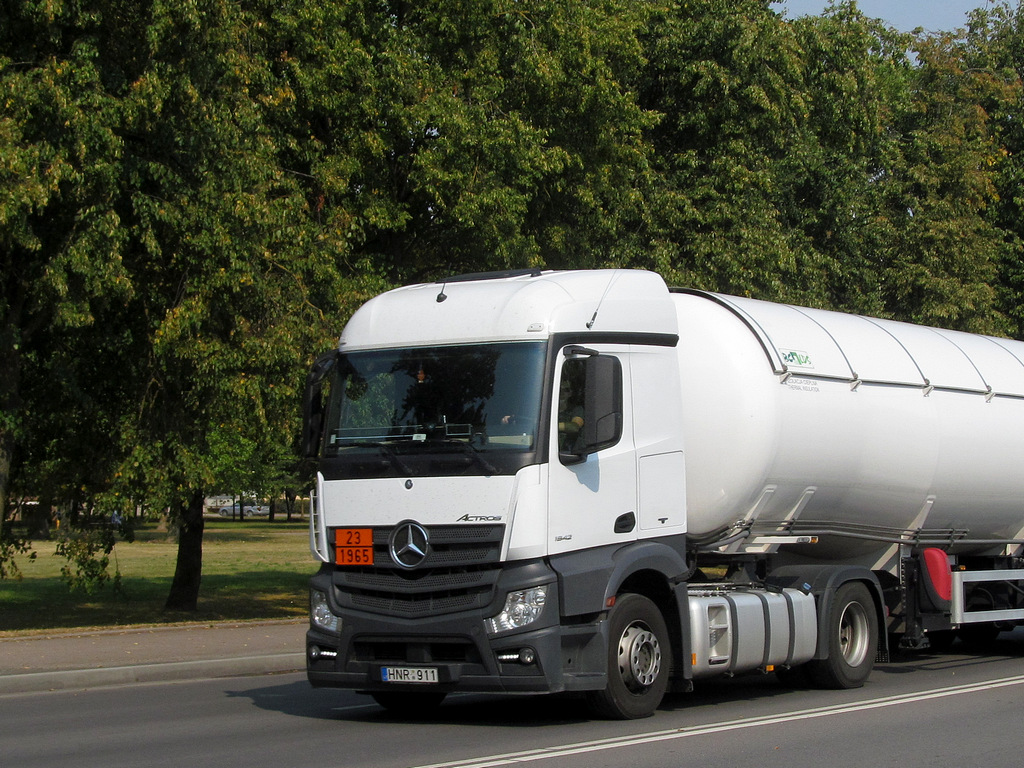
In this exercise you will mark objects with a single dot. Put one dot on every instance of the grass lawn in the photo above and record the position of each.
(251, 570)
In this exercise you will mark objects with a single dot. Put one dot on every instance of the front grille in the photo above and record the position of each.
(430, 582)
(414, 652)
(458, 574)
(419, 605)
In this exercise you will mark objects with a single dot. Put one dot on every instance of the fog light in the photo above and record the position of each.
(320, 613)
(524, 656)
(316, 653)
(522, 607)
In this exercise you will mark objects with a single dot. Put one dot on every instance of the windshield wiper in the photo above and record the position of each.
(387, 450)
(473, 452)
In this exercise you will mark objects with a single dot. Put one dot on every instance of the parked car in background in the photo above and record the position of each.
(249, 510)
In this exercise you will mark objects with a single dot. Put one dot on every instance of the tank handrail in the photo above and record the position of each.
(798, 526)
(919, 537)
(884, 383)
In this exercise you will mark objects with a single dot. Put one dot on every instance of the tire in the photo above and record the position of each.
(852, 638)
(639, 661)
(409, 704)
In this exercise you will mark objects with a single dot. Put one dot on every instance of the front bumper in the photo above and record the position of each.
(359, 662)
(544, 657)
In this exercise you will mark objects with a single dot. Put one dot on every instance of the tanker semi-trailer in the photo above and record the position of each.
(585, 481)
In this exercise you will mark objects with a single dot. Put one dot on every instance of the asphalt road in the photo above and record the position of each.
(925, 710)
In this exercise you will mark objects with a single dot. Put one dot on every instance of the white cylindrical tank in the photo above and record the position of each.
(867, 430)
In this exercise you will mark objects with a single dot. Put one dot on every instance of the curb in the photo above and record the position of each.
(72, 679)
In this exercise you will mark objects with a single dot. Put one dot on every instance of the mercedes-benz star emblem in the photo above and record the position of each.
(409, 544)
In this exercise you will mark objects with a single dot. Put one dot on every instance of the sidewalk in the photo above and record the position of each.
(89, 659)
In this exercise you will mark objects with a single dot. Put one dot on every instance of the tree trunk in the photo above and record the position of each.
(6, 453)
(184, 595)
(10, 403)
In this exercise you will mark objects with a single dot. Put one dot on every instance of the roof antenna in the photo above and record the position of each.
(441, 296)
(611, 281)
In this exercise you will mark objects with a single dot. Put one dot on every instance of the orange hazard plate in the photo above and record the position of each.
(353, 546)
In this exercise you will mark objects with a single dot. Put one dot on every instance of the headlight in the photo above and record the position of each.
(320, 613)
(522, 607)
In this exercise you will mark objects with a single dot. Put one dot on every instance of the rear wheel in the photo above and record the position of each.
(852, 637)
(639, 660)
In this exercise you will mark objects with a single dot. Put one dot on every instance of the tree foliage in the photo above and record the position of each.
(726, 77)
(195, 196)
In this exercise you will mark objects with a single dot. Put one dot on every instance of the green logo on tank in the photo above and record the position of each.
(794, 357)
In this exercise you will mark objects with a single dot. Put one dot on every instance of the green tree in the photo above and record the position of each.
(899, 178)
(194, 197)
(61, 250)
(460, 136)
(836, 189)
(728, 79)
(225, 266)
(163, 275)
(945, 267)
(993, 49)
(812, 161)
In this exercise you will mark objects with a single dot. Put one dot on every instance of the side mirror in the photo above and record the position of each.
(591, 399)
(602, 422)
(313, 404)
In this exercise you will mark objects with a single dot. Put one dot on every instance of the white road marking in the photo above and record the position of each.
(566, 750)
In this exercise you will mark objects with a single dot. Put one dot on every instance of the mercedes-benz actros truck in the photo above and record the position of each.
(543, 481)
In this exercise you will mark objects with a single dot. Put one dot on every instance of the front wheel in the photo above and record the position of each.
(639, 661)
(852, 637)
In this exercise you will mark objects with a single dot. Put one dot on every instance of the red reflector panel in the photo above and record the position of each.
(937, 563)
(353, 546)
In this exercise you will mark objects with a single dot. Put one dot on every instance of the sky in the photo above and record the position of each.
(905, 15)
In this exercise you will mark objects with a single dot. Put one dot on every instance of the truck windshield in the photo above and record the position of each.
(435, 410)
